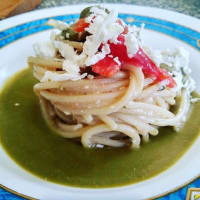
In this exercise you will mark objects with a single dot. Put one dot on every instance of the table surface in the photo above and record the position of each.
(188, 7)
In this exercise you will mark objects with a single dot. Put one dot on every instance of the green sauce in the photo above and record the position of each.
(28, 140)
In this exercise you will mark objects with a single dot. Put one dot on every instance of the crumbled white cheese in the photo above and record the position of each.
(94, 59)
(190, 84)
(178, 77)
(66, 50)
(178, 61)
(45, 49)
(57, 24)
(94, 12)
(114, 30)
(69, 53)
(140, 32)
(155, 55)
(98, 56)
(70, 67)
(53, 76)
(116, 59)
(177, 58)
(137, 32)
(131, 44)
(71, 64)
(53, 36)
(103, 28)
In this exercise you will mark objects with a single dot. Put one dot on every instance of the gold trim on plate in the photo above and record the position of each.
(198, 43)
(128, 19)
(154, 197)
(17, 193)
(176, 188)
(189, 192)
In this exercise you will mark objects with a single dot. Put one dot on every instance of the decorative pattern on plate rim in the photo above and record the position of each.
(193, 194)
(177, 31)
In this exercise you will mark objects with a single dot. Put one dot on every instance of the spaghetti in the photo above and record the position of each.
(105, 110)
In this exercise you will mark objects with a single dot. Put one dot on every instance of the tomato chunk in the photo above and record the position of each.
(80, 25)
(106, 67)
(150, 69)
(119, 50)
(140, 59)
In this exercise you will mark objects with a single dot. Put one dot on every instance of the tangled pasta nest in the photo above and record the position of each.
(116, 111)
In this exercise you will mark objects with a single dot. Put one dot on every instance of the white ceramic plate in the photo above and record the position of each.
(164, 29)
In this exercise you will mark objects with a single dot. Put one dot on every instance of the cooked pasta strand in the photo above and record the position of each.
(109, 101)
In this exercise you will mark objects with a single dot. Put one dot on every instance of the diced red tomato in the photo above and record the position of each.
(106, 67)
(119, 50)
(140, 59)
(149, 68)
(80, 25)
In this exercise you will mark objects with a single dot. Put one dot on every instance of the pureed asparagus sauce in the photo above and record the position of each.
(27, 139)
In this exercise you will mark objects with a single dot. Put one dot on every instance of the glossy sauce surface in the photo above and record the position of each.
(28, 140)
